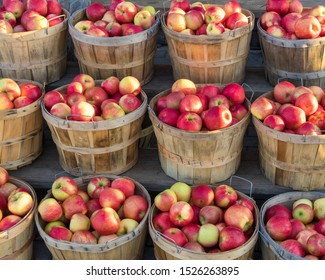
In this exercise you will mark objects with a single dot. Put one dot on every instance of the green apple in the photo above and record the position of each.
(150, 9)
(182, 190)
(78, 222)
(319, 208)
(302, 200)
(208, 235)
(126, 226)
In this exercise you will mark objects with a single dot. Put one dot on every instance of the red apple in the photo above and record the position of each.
(95, 11)
(175, 235)
(74, 97)
(236, 20)
(72, 205)
(9, 221)
(214, 28)
(129, 103)
(210, 214)
(97, 31)
(126, 185)
(225, 196)
(245, 202)
(86, 80)
(282, 92)
(189, 121)
(112, 198)
(279, 228)
(293, 247)
(297, 226)
(93, 205)
(83, 237)
(202, 195)
(262, 107)
(218, 100)
(293, 117)
(105, 221)
(238, 111)
(303, 236)
(181, 213)
(320, 226)
(82, 111)
(270, 18)
(214, 14)
(173, 99)
(129, 85)
(275, 122)
(278, 210)
(169, 116)
(135, 207)
(308, 102)
(191, 103)
(15, 7)
(182, 4)
(52, 97)
(165, 199)
(295, 6)
(279, 6)
(185, 86)
(289, 20)
(111, 85)
(9, 17)
(125, 12)
(308, 128)
(231, 7)
(277, 31)
(316, 244)
(63, 187)
(176, 22)
(239, 216)
(194, 19)
(217, 118)
(210, 90)
(307, 27)
(230, 238)
(161, 222)
(191, 231)
(60, 233)
(30, 90)
(194, 246)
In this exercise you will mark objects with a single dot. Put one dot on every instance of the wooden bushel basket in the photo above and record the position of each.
(39, 55)
(210, 59)
(103, 147)
(21, 133)
(100, 57)
(165, 249)
(126, 247)
(198, 157)
(271, 250)
(16, 243)
(291, 160)
(294, 60)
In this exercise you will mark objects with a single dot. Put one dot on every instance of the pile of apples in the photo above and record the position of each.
(204, 219)
(199, 109)
(28, 15)
(289, 20)
(299, 229)
(105, 210)
(14, 95)
(296, 110)
(84, 101)
(200, 19)
(120, 18)
(15, 202)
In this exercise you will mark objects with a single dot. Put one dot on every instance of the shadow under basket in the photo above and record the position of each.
(16, 243)
(101, 57)
(103, 147)
(126, 247)
(291, 160)
(21, 133)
